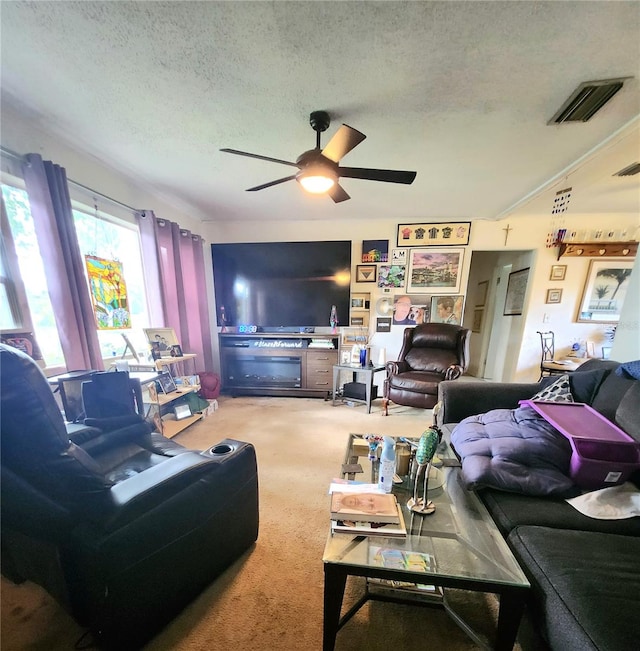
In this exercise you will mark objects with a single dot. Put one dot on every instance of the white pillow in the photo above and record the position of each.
(559, 391)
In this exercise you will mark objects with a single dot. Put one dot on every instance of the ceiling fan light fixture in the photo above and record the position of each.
(316, 180)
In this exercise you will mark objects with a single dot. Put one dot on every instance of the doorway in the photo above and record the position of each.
(496, 339)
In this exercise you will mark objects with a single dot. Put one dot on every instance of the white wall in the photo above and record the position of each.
(529, 233)
(626, 346)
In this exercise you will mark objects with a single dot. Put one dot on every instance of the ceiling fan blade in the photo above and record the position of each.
(388, 176)
(344, 140)
(267, 158)
(337, 193)
(268, 185)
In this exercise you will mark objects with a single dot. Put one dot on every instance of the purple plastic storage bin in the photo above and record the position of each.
(603, 454)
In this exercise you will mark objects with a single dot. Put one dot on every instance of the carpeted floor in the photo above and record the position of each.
(272, 597)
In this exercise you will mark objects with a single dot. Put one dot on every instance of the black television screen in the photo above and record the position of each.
(276, 285)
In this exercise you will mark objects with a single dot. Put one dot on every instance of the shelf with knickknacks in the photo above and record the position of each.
(598, 249)
(597, 244)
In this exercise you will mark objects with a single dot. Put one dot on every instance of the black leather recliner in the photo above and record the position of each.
(430, 353)
(122, 526)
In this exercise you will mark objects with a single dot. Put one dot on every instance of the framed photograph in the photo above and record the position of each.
(435, 272)
(361, 320)
(558, 271)
(176, 351)
(398, 256)
(152, 391)
(392, 275)
(478, 313)
(442, 234)
(182, 410)
(383, 324)
(447, 309)
(375, 251)
(166, 383)
(604, 291)
(516, 290)
(360, 301)
(366, 273)
(155, 350)
(554, 296)
(411, 310)
(481, 297)
(163, 337)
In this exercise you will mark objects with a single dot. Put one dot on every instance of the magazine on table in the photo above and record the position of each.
(365, 507)
(384, 529)
(400, 559)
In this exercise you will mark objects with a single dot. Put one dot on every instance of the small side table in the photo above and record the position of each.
(368, 371)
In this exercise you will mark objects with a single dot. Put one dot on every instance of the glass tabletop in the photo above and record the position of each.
(459, 540)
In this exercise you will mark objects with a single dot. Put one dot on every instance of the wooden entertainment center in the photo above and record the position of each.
(278, 364)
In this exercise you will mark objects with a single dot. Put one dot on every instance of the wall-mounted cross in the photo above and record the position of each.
(506, 230)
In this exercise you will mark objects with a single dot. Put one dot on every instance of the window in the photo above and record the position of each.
(33, 275)
(10, 315)
(99, 235)
(104, 237)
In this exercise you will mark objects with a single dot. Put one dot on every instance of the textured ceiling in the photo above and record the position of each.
(461, 92)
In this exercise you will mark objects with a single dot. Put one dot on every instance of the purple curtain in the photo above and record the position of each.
(174, 259)
(48, 192)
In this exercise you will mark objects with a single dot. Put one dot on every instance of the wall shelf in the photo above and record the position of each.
(598, 249)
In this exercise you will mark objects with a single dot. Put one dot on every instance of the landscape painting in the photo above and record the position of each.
(435, 271)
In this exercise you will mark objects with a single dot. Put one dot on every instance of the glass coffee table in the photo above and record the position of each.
(458, 546)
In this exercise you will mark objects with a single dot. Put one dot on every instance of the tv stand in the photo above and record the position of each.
(282, 364)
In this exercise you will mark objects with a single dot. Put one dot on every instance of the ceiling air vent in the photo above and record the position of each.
(630, 170)
(588, 98)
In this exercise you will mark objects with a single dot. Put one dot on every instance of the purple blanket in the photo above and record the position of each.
(513, 450)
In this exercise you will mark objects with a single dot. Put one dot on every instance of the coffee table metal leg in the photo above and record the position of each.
(335, 580)
(509, 616)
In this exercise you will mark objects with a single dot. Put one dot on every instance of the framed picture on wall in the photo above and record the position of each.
(604, 291)
(478, 313)
(554, 296)
(447, 309)
(375, 251)
(516, 290)
(366, 273)
(481, 296)
(430, 234)
(435, 271)
(391, 275)
(558, 271)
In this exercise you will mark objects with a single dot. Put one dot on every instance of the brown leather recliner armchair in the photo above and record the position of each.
(430, 353)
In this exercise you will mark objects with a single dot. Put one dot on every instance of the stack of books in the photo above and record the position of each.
(367, 514)
(321, 343)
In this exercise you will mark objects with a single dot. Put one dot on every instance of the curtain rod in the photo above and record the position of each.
(22, 159)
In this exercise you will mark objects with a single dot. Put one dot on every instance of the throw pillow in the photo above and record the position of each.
(585, 384)
(559, 391)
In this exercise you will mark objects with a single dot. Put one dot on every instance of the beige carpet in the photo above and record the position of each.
(272, 597)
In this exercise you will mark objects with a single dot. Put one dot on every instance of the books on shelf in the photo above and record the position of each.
(321, 343)
(365, 507)
(384, 529)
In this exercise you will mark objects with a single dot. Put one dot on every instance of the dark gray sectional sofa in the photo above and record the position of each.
(584, 572)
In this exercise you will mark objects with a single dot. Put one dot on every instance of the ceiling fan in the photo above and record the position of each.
(318, 168)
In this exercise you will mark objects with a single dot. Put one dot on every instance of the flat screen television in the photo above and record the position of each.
(279, 286)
